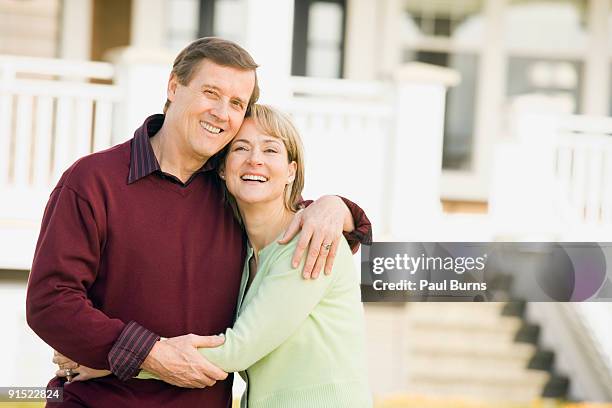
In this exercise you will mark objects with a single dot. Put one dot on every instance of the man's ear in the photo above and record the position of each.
(172, 85)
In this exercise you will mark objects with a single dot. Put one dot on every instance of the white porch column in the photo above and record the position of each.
(269, 34)
(148, 28)
(361, 40)
(391, 45)
(416, 210)
(522, 200)
(142, 69)
(597, 61)
(75, 41)
(143, 78)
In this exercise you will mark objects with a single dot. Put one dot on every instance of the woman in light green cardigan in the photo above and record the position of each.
(297, 343)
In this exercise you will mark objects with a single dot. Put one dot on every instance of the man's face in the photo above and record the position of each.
(206, 113)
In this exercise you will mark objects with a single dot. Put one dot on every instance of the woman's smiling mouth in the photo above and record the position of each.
(254, 177)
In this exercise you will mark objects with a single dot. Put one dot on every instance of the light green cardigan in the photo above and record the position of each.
(298, 343)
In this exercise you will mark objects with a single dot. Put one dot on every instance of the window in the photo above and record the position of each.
(318, 39)
(229, 20)
(546, 26)
(545, 66)
(223, 18)
(182, 23)
(441, 18)
(449, 33)
(538, 84)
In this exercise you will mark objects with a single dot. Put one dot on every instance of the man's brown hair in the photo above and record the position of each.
(219, 51)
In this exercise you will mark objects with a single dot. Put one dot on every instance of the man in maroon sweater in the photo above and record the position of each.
(136, 243)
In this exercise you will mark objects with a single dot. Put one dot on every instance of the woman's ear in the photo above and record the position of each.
(292, 171)
(222, 173)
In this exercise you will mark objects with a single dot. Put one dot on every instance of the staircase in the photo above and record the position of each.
(480, 351)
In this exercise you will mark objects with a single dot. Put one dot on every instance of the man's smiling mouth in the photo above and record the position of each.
(211, 128)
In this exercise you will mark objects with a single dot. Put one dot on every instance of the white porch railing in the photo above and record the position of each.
(378, 143)
(554, 180)
(348, 129)
(50, 115)
(583, 166)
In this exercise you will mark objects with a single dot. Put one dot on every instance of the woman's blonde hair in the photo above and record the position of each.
(277, 124)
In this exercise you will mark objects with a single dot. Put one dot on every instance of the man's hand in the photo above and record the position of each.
(322, 223)
(63, 362)
(73, 371)
(177, 361)
(81, 373)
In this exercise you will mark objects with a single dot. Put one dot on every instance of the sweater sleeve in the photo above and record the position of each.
(65, 266)
(363, 228)
(362, 234)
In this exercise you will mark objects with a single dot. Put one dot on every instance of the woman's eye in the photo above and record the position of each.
(239, 148)
(270, 151)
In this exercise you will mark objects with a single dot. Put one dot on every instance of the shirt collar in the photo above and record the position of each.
(143, 161)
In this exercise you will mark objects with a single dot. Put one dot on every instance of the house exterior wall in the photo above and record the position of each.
(375, 42)
(30, 28)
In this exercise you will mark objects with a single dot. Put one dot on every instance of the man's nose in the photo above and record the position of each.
(220, 111)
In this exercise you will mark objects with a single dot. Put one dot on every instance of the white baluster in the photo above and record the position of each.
(564, 175)
(6, 111)
(23, 141)
(63, 131)
(606, 202)
(593, 181)
(83, 128)
(42, 140)
(578, 183)
(103, 125)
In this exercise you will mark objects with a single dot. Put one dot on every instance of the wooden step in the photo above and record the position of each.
(422, 344)
(421, 362)
(472, 374)
(491, 392)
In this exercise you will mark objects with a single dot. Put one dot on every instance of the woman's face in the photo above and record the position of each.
(256, 166)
